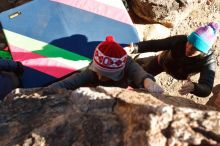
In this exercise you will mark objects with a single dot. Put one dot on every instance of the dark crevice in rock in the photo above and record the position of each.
(181, 4)
(167, 132)
(204, 143)
(208, 134)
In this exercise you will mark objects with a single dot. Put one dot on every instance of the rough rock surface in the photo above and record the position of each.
(215, 99)
(152, 31)
(105, 117)
(169, 13)
(205, 12)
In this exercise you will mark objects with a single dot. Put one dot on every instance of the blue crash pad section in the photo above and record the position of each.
(70, 28)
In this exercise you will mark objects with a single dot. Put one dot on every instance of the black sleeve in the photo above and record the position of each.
(206, 80)
(159, 45)
(8, 65)
(75, 81)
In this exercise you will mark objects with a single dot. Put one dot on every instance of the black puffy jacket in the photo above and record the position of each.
(174, 61)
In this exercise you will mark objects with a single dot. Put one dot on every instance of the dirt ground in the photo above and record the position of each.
(207, 13)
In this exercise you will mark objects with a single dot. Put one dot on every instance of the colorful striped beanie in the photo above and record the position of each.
(204, 37)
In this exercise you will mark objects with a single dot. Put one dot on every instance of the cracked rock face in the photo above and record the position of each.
(105, 117)
(170, 13)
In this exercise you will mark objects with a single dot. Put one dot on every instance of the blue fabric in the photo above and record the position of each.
(70, 28)
(8, 65)
(198, 42)
(67, 27)
(32, 78)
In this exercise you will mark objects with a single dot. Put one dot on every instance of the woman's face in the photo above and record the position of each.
(191, 51)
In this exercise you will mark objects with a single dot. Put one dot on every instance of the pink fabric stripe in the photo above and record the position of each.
(40, 63)
(100, 9)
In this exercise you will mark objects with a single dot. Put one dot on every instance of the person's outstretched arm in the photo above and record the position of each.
(140, 78)
(75, 81)
(155, 45)
(205, 84)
